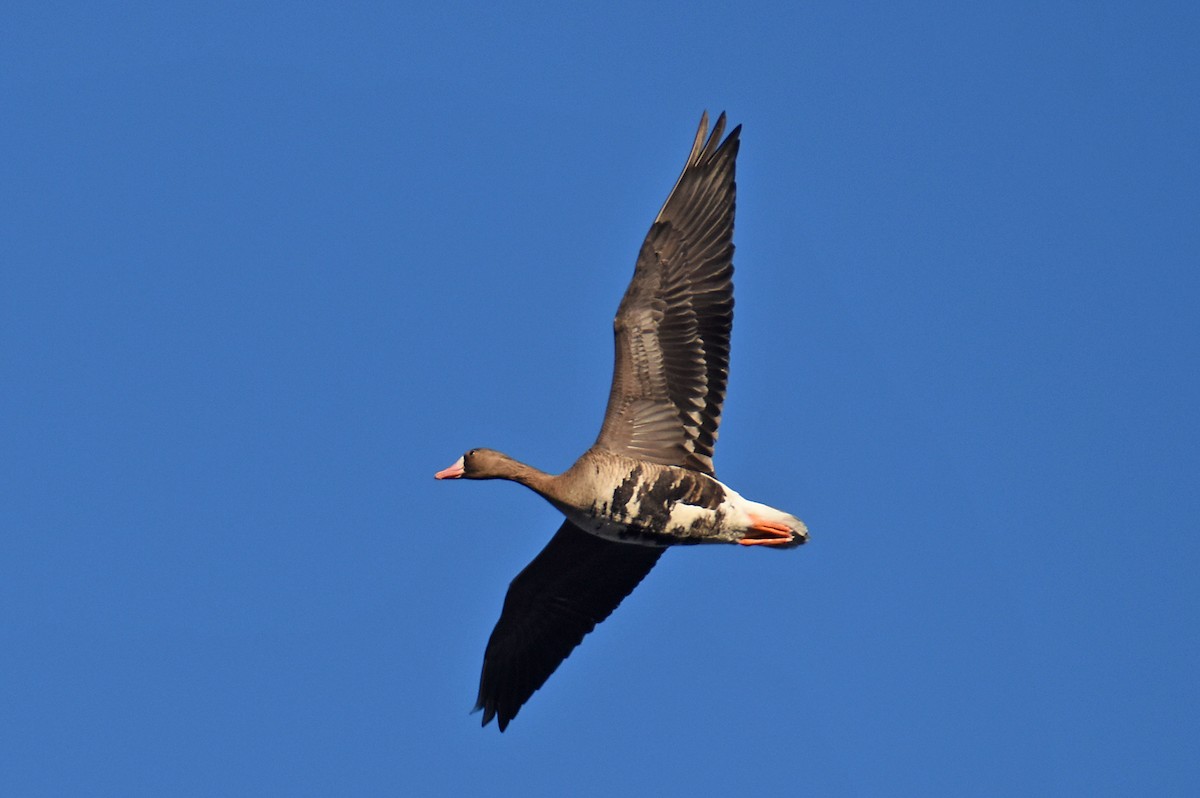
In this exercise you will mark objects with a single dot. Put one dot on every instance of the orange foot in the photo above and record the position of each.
(776, 534)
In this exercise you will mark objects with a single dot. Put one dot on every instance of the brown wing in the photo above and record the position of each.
(672, 328)
(572, 585)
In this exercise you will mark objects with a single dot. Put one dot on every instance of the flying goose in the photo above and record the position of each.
(648, 481)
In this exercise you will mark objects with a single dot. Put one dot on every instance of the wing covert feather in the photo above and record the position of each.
(671, 331)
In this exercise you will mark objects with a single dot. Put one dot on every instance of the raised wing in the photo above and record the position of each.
(572, 585)
(672, 327)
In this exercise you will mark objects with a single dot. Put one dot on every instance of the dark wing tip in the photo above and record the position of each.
(706, 148)
(489, 711)
(713, 143)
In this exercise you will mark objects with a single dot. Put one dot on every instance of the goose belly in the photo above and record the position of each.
(663, 507)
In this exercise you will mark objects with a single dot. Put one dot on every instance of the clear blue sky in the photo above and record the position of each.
(264, 269)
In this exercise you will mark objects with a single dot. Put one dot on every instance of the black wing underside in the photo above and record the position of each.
(672, 327)
(572, 585)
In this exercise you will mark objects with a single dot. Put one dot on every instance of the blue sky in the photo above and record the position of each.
(265, 268)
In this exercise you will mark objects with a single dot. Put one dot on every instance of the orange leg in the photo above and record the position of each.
(775, 533)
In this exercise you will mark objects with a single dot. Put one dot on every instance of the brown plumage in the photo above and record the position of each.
(672, 328)
(648, 481)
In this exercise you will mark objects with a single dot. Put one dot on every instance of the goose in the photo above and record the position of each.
(648, 481)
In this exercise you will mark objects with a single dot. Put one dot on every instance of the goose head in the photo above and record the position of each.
(480, 464)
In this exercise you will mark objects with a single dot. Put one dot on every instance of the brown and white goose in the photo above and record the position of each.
(647, 482)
